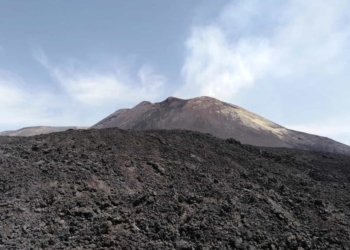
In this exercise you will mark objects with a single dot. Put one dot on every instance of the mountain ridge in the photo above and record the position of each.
(37, 130)
(221, 119)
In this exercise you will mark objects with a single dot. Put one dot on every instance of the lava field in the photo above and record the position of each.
(167, 189)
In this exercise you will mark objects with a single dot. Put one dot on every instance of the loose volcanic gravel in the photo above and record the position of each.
(120, 189)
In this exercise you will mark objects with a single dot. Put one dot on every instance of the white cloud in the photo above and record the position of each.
(313, 37)
(301, 44)
(151, 82)
(20, 107)
(86, 95)
(218, 68)
(96, 88)
(254, 41)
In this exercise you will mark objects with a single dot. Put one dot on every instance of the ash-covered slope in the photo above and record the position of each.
(37, 130)
(116, 189)
(224, 120)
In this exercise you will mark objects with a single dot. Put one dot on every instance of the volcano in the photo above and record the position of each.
(221, 119)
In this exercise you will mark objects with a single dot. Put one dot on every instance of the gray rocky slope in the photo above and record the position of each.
(223, 120)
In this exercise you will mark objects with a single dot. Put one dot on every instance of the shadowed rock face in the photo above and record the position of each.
(30, 131)
(224, 120)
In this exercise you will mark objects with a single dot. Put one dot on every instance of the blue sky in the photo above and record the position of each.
(75, 62)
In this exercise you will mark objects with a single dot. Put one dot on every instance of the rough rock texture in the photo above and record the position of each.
(117, 189)
(224, 120)
(38, 130)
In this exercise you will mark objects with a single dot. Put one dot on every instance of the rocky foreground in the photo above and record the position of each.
(118, 189)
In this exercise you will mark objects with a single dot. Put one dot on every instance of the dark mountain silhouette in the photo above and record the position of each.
(221, 119)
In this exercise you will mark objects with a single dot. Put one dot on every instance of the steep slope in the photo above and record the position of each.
(38, 130)
(114, 189)
(224, 120)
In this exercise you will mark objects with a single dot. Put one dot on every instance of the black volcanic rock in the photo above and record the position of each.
(224, 120)
(118, 189)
